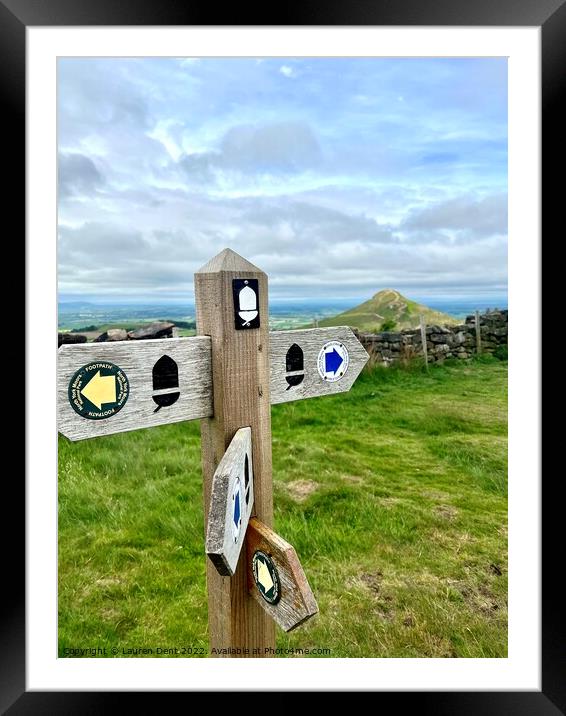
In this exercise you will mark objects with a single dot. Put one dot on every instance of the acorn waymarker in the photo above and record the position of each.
(228, 376)
(246, 303)
(165, 382)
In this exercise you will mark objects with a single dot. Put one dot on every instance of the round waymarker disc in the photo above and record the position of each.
(98, 390)
(333, 361)
(266, 577)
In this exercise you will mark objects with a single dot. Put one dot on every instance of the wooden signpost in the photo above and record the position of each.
(228, 376)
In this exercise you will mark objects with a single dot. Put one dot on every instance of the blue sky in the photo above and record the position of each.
(338, 177)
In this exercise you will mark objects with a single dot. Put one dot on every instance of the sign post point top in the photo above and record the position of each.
(228, 260)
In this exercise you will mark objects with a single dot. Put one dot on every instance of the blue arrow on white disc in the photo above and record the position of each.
(333, 361)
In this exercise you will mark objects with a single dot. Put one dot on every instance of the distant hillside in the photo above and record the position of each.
(389, 309)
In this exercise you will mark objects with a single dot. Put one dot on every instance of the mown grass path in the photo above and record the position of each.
(394, 496)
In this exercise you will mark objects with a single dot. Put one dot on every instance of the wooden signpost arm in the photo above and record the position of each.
(241, 398)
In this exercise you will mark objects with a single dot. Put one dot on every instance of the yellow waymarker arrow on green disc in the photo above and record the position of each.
(263, 576)
(100, 389)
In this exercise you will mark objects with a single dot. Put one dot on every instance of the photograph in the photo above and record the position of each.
(282, 366)
(289, 438)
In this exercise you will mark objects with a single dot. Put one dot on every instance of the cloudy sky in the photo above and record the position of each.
(338, 177)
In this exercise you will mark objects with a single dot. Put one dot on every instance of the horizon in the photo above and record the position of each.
(106, 301)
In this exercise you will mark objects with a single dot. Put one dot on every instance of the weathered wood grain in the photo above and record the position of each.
(136, 359)
(297, 602)
(311, 341)
(240, 373)
(233, 476)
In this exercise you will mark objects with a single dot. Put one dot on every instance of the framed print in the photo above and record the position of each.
(46, 47)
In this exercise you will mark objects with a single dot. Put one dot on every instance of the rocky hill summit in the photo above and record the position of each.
(387, 310)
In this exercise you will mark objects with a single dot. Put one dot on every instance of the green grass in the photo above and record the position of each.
(393, 495)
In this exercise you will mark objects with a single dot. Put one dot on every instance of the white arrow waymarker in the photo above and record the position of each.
(106, 388)
(231, 503)
(276, 579)
(313, 362)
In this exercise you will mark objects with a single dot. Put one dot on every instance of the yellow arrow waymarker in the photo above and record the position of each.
(263, 576)
(276, 579)
(100, 389)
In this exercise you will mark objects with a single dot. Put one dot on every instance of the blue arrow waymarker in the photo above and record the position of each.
(237, 509)
(332, 361)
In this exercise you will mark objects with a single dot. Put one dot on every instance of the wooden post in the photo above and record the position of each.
(423, 339)
(241, 398)
(478, 333)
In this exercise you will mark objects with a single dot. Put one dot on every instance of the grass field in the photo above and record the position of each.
(394, 496)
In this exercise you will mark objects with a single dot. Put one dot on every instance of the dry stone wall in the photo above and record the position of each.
(158, 329)
(442, 341)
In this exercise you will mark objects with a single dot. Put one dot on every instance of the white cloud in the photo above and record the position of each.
(287, 71)
(78, 175)
(470, 215)
(265, 150)
(164, 133)
(305, 247)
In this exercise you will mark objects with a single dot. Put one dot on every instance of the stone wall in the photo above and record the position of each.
(158, 329)
(442, 341)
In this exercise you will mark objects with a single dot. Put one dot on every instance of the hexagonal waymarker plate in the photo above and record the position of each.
(276, 579)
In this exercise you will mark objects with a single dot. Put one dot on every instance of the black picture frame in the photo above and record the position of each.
(550, 16)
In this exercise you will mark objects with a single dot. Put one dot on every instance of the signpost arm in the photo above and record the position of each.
(241, 398)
